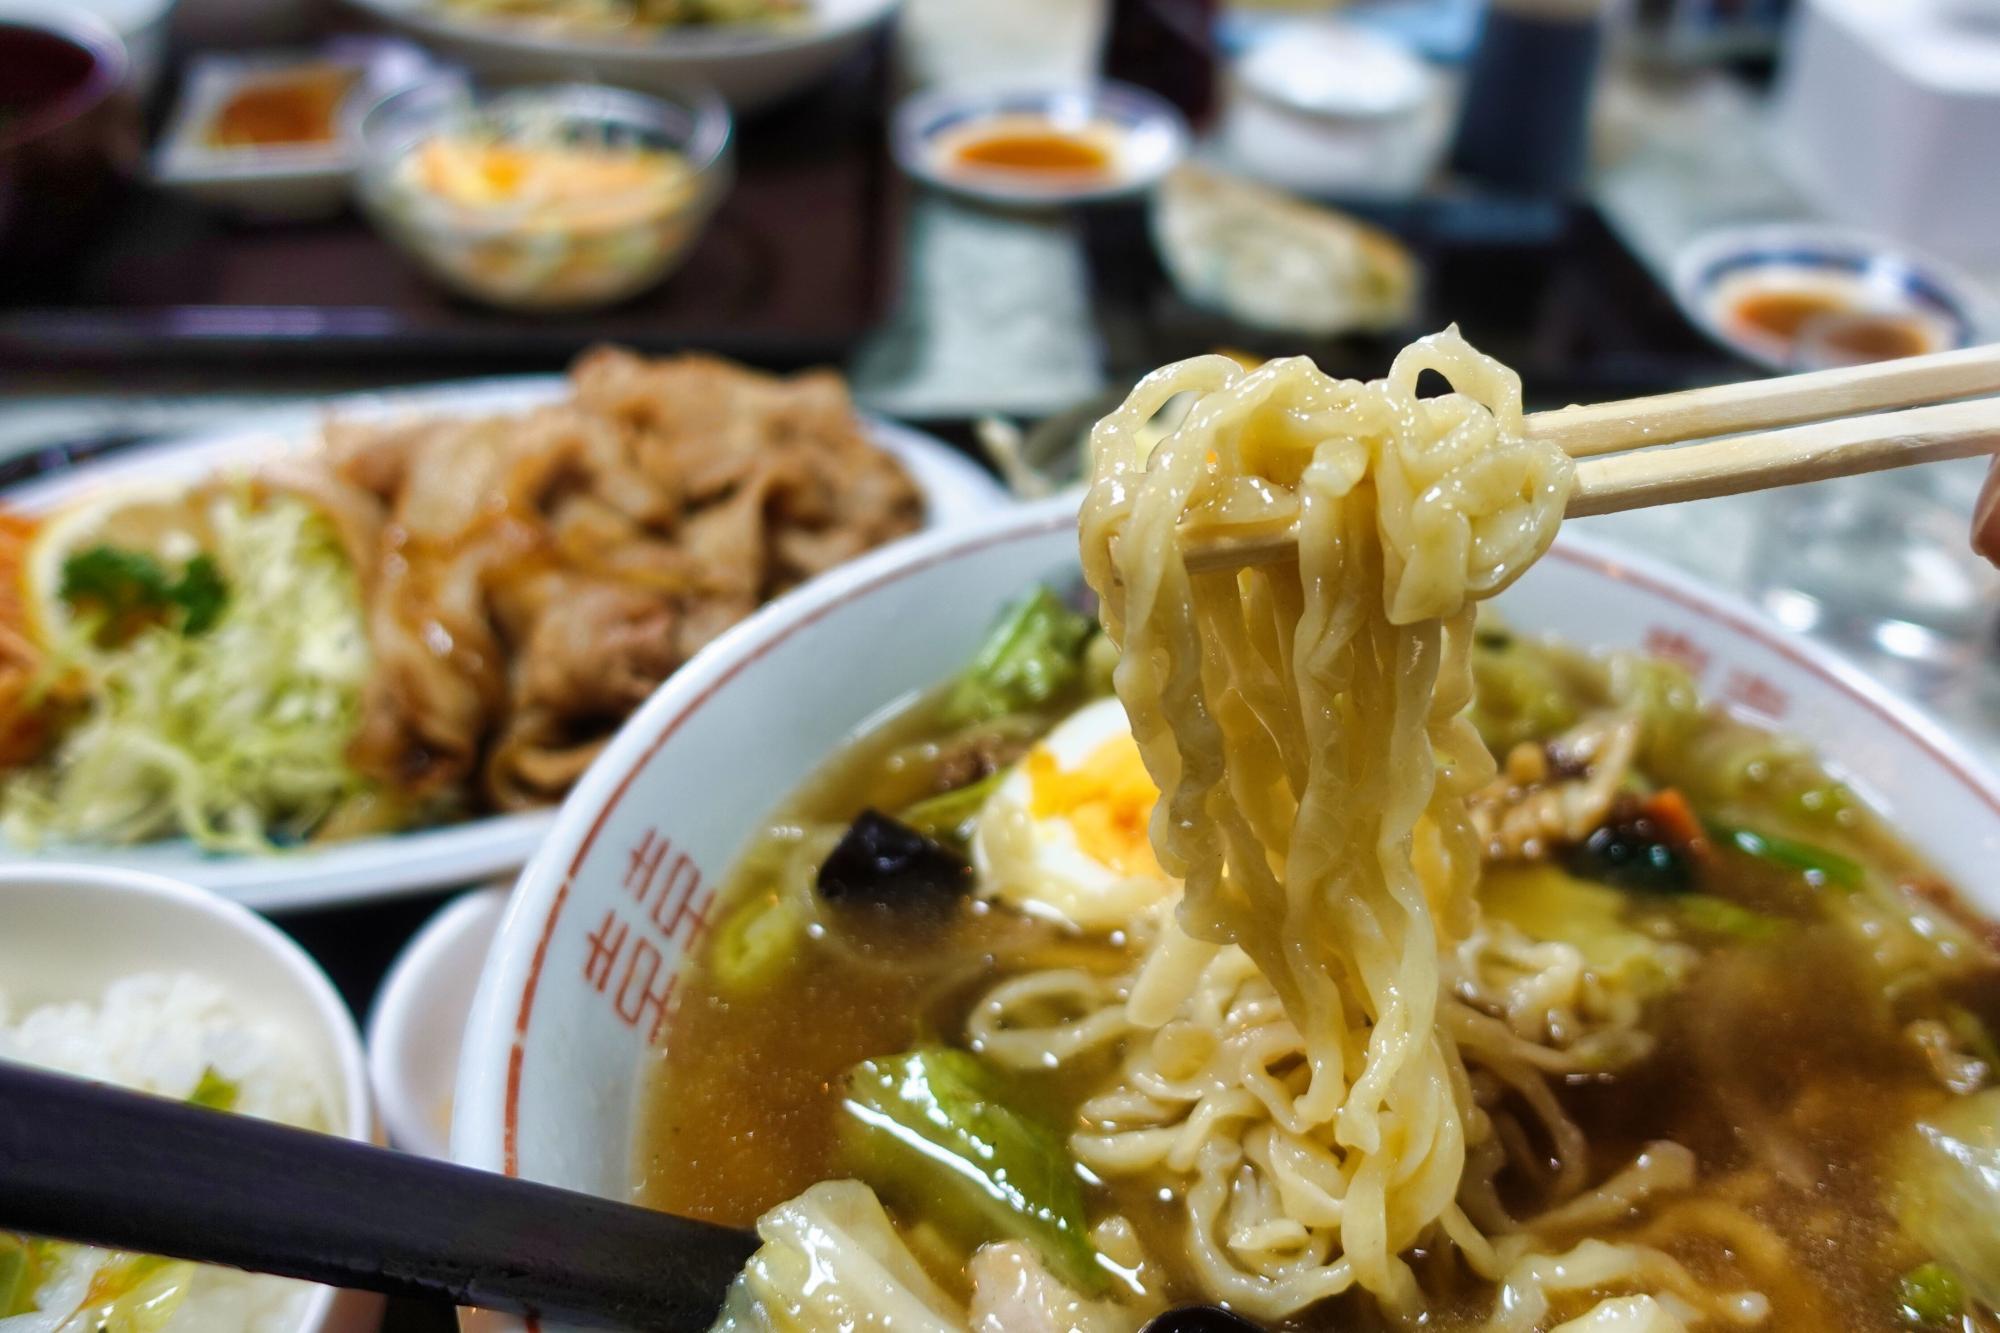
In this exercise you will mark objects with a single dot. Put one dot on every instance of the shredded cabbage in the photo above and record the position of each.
(235, 736)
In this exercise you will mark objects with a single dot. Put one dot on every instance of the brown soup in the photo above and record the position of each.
(1784, 1057)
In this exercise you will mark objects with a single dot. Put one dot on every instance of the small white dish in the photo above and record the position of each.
(1142, 138)
(1335, 70)
(418, 1022)
(956, 490)
(1855, 273)
(287, 181)
(67, 932)
(1330, 107)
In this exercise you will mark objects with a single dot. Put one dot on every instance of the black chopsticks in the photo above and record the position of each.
(84, 1162)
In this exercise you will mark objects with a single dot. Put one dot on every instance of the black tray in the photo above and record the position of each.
(802, 259)
(1547, 288)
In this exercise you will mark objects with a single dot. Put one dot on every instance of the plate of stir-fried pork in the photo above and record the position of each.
(365, 648)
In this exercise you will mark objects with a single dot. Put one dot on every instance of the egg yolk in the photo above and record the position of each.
(1106, 801)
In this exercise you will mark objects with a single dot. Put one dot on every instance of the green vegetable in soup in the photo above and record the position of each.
(1521, 692)
(929, 1129)
(214, 1091)
(1817, 864)
(948, 817)
(1929, 1294)
(757, 943)
(1719, 916)
(1972, 1035)
(1949, 1190)
(1544, 903)
(134, 1293)
(1030, 657)
(19, 1273)
(1661, 695)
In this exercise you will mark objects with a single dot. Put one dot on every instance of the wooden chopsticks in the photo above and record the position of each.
(1632, 462)
(1782, 400)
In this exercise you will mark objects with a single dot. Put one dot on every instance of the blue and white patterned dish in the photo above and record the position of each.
(1869, 274)
(1144, 136)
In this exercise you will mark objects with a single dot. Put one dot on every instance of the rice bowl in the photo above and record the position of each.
(143, 982)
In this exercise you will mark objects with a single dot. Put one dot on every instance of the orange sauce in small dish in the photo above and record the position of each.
(1875, 338)
(1030, 147)
(1781, 312)
(1828, 327)
(294, 108)
(1049, 150)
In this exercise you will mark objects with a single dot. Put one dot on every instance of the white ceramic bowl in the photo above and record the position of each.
(418, 1022)
(567, 1019)
(67, 932)
(750, 66)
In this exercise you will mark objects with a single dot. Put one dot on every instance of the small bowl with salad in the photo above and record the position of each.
(147, 983)
(559, 197)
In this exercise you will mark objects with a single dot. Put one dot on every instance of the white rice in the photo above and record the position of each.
(159, 1032)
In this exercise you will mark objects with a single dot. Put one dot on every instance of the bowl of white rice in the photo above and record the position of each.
(147, 983)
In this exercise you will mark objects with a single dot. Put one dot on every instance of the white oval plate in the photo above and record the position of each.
(955, 490)
(579, 991)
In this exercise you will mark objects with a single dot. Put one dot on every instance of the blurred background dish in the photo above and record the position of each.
(69, 129)
(1335, 108)
(750, 64)
(1039, 147)
(140, 24)
(563, 197)
(418, 1020)
(1888, 116)
(1805, 297)
(1278, 263)
(481, 838)
(149, 983)
(272, 135)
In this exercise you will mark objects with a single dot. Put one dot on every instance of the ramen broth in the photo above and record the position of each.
(1782, 1059)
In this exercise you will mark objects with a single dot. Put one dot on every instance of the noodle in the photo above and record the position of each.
(1303, 724)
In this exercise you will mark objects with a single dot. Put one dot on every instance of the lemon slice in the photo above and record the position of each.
(166, 520)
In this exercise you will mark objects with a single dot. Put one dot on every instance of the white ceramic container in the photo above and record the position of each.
(67, 932)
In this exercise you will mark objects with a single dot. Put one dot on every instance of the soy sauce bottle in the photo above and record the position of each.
(1166, 47)
(1524, 123)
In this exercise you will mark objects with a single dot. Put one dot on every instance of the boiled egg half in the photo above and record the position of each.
(1064, 834)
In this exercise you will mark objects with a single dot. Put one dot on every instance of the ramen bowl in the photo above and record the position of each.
(580, 991)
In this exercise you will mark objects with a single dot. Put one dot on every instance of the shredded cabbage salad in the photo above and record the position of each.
(233, 731)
